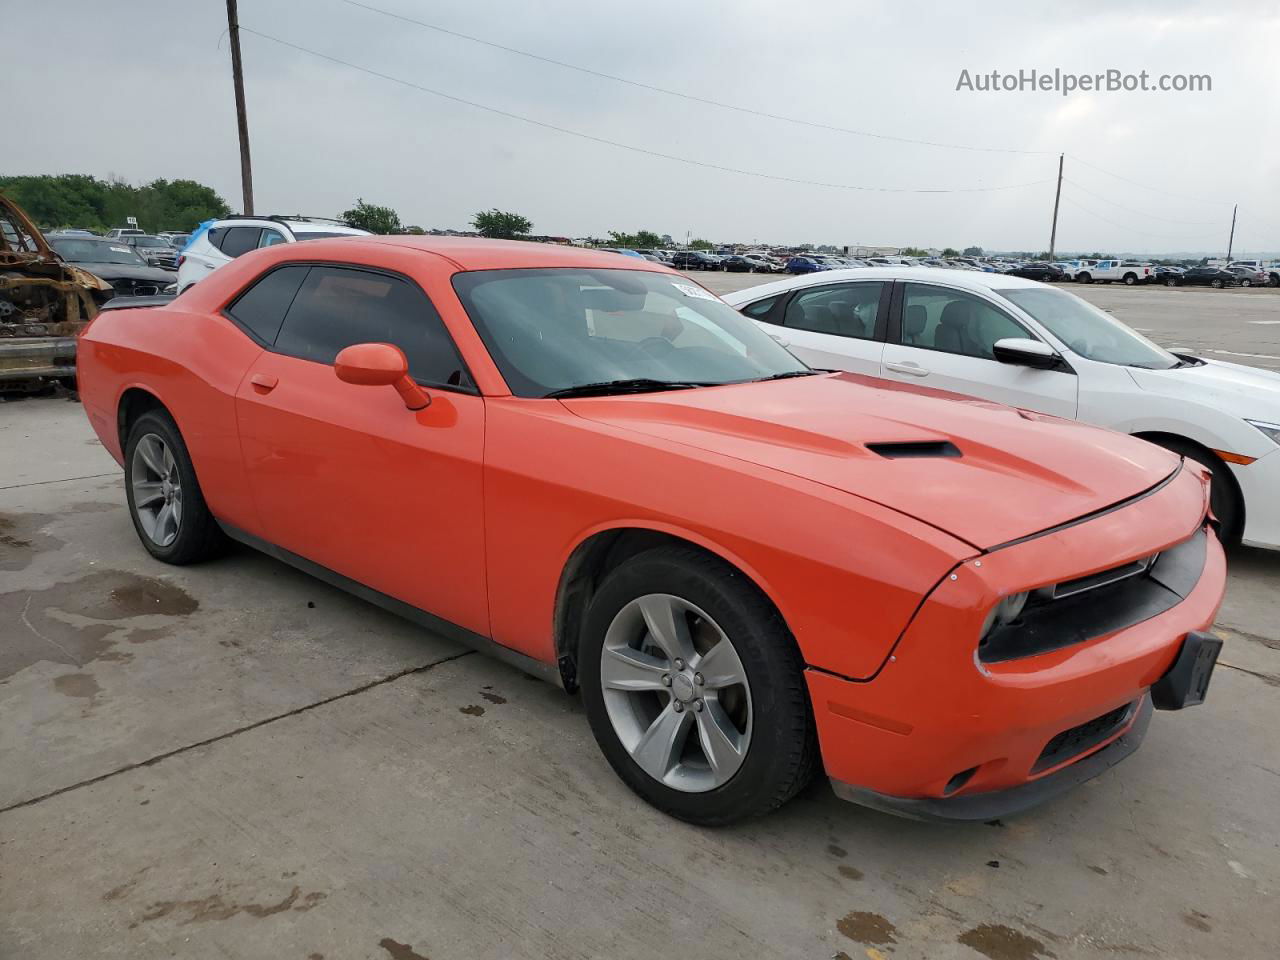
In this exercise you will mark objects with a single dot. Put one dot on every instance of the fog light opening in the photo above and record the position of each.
(958, 781)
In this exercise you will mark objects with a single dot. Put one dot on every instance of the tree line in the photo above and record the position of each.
(87, 203)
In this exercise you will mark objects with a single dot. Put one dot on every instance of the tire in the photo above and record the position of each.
(1084, 278)
(1224, 494)
(767, 713)
(1246, 282)
(1216, 283)
(162, 468)
(1130, 279)
(1171, 282)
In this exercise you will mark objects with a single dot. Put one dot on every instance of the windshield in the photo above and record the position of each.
(95, 251)
(1088, 331)
(552, 330)
(149, 241)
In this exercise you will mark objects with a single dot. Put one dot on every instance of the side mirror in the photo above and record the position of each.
(380, 365)
(1026, 353)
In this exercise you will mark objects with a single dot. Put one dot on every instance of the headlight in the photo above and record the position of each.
(1272, 430)
(1006, 611)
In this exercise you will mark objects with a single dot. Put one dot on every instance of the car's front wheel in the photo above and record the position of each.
(1216, 283)
(694, 688)
(165, 501)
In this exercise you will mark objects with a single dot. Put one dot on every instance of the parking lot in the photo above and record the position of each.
(235, 760)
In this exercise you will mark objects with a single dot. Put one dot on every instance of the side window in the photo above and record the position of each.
(336, 307)
(262, 307)
(270, 238)
(760, 309)
(846, 310)
(941, 318)
(239, 240)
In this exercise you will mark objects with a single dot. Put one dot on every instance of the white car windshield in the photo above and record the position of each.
(1088, 331)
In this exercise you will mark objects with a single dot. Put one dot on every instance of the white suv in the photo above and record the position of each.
(227, 239)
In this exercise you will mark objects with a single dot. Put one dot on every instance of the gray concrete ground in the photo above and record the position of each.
(235, 760)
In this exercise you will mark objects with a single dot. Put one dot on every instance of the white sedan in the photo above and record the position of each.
(1038, 347)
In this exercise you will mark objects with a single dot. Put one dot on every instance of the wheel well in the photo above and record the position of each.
(133, 404)
(593, 560)
(1162, 439)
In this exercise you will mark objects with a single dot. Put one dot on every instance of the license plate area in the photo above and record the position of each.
(1187, 682)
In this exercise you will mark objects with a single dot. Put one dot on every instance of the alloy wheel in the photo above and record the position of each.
(676, 693)
(157, 490)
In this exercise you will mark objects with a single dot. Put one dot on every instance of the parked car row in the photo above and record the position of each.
(956, 610)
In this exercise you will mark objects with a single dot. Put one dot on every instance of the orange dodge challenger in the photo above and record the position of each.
(590, 466)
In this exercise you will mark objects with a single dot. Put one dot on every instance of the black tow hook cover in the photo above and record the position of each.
(1187, 681)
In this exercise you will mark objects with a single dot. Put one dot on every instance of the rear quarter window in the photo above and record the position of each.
(261, 308)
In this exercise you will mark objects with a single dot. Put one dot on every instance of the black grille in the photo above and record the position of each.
(1051, 624)
(135, 288)
(1073, 742)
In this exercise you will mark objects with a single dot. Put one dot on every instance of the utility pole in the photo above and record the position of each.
(1053, 233)
(1232, 239)
(237, 77)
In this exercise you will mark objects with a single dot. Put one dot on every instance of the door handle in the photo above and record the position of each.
(908, 367)
(263, 382)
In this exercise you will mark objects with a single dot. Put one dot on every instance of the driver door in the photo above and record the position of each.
(344, 475)
(943, 337)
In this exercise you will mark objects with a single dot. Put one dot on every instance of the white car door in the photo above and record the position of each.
(833, 326)
(944, 338)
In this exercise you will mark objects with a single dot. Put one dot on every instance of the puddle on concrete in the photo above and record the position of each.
(78, 622)
(81, 685)
(998, 942)
(867, 928)
(21, 539)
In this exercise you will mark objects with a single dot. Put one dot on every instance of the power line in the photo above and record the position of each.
(687, 96)
(627, 146)
(1136, 183)
(1149, 216)
(1093, 213)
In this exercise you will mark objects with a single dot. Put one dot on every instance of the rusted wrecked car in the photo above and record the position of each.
(44, 304)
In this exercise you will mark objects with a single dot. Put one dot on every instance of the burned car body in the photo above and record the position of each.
(44, 304)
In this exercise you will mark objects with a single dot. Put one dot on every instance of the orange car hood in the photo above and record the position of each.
(1018, 473)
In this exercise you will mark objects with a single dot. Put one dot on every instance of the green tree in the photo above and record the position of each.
(951, 252)
(371, 217)
(973, 251)
(76, 200)
(700, 244)
(501, 225)
(643, 239)
(914, 252)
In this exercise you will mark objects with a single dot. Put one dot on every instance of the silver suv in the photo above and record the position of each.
(234, 236)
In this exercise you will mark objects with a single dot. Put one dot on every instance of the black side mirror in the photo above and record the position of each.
(1025, 352)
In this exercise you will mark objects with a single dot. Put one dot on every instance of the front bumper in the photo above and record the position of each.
(27, 358)
(937, 725)
(1260, 486)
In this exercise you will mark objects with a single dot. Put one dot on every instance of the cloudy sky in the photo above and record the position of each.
(1145, 171)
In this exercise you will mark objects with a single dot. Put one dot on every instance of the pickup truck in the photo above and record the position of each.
(1126, 271)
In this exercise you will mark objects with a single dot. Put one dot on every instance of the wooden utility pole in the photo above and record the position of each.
(237, 77)
(1053, 233)
(1232, 239)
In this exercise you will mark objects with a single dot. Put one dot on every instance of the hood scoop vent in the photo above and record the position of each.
(915, 449)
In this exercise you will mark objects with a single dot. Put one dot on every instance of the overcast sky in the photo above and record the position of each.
(157, 102)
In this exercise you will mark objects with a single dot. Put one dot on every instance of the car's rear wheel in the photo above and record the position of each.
(1246, 282)
(694, 688)
(1171, 282)
(165, 501)
(1216, 283)
(1130, 279)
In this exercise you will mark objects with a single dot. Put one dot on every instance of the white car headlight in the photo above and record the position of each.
(1272, 430)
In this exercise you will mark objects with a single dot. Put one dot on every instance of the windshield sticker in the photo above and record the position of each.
(689, 290)
(120, 249)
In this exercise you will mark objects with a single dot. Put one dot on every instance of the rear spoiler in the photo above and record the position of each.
(128, 303)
